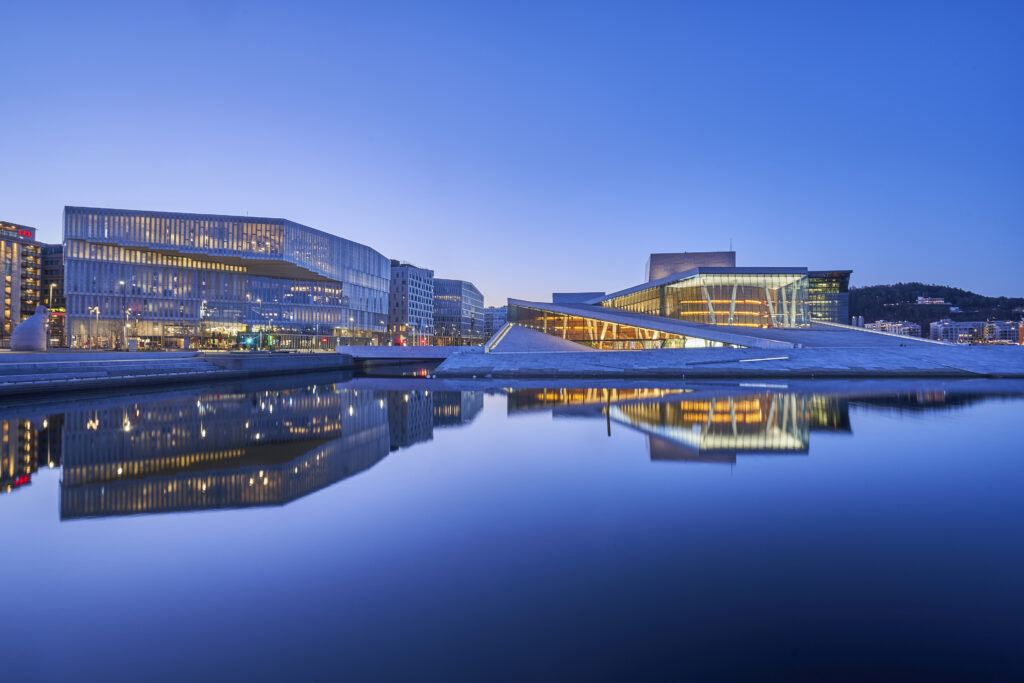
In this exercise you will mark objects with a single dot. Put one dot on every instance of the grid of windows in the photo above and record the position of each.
(411, 309)
(164, 278)
(458, 312)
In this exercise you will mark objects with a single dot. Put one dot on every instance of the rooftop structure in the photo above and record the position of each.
(665, 264)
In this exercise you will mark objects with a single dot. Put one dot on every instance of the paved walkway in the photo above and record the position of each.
(911, 361)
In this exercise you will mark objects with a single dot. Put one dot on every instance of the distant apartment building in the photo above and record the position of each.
(904, 327)
(828, 295)
(411, 305)
(932, 300)
(174, 280)
(957, 332)
(495, 318)
(1003, 332)
(458, 312)
(19, 272)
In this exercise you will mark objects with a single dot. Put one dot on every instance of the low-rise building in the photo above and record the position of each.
(411, 305)
(905, 327)
(957, 332)
(1002, 332)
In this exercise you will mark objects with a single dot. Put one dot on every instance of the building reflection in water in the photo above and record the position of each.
(688, 425)
(27, 446)
(177, 451)
(180, 451)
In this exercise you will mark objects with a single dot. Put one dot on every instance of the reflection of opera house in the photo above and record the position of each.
(684, 425)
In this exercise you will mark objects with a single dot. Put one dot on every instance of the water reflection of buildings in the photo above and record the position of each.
(687, 426)
(454, 408)
(177, 451)
(26, 447)
(415, 413)
(219, 450)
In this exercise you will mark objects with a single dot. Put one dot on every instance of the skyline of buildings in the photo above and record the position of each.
(185, 280)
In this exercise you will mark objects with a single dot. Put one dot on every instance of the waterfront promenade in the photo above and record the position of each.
(62, 370)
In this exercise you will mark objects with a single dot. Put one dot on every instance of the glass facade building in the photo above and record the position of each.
(171, 280)
(458, 312)
(828, 295)
(746, 297)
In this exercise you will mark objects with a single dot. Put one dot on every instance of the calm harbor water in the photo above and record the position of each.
(412, 529)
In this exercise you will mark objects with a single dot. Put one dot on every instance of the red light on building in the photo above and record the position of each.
(27, 233)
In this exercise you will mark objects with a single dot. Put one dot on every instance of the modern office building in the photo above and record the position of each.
(52, 291)
(828, 295)
(20, 276)
(411, 305)
(905, 327)
(495, 318)
(458, 312)
(170, 280)
(957, 332)
(663, 265)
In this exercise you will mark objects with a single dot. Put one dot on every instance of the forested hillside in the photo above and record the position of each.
(899, 302)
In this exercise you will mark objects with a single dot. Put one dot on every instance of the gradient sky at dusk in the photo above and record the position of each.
(539, 147)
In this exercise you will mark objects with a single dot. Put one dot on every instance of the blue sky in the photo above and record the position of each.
(539, 147)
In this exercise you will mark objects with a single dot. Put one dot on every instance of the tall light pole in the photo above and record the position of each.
(202, 316)
(124, 316)
(260, 343)
(52, 285)
(92, 337)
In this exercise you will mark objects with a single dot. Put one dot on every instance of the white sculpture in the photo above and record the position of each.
(30, 334)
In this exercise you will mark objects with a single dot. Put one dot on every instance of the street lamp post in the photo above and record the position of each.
(124, 316)
(92, 338)
(52, 285)
(202, 320)
(260, 343)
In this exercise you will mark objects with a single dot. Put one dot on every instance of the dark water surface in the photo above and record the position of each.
(404, 529)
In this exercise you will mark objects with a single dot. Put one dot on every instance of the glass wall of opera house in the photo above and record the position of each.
(173, 280)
